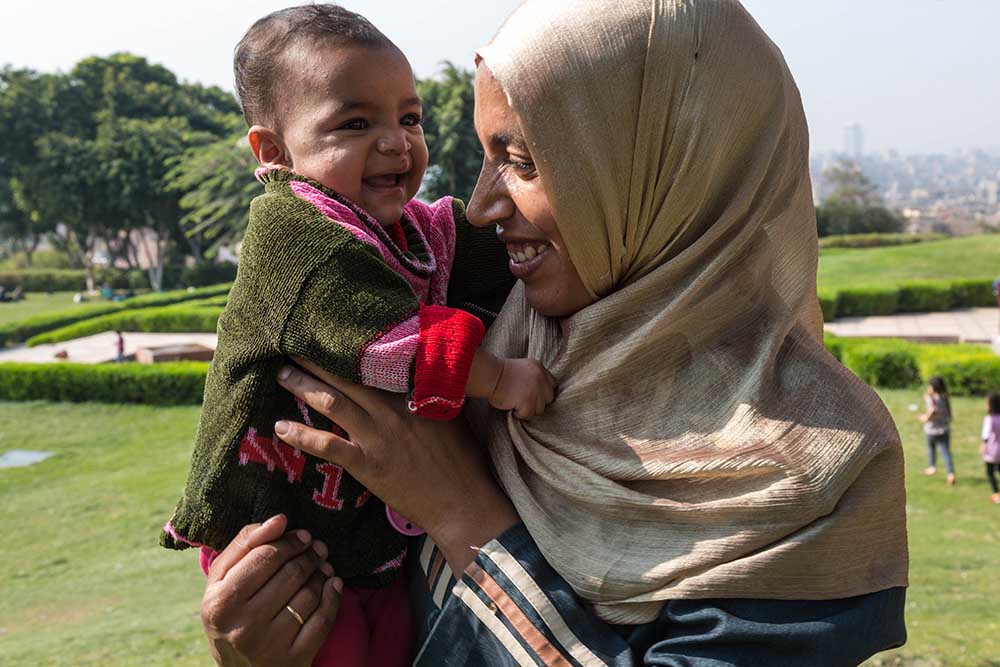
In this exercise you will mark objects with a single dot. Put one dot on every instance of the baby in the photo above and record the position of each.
(340, 266)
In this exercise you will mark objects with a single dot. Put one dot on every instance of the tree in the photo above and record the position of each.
(87, 155)
(455, 152)
(217, 185)
(850, 186)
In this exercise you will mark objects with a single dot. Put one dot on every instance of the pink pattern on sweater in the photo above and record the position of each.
(387, 360)
(427, 219)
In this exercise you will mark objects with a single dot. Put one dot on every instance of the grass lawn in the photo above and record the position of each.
(37, 303)
(84, 582)
(966, 257)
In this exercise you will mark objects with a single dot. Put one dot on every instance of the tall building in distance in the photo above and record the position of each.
(854, 141)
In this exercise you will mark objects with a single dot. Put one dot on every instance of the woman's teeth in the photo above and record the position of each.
(523, 252)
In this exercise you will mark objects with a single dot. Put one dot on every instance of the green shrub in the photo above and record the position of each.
(883, 365)
(169, 319)
(180, 383)
(16, 332)
(861, 301)
(208, 274)
(968, 370)
(925, 297)
(44, 280)
(973, 294)
(876, 240)
(828, 304)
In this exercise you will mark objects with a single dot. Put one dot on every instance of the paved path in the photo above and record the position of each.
(975, 325)
(978, 325)
(100, 348)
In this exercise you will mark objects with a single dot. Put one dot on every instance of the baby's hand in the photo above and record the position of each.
(524, 387)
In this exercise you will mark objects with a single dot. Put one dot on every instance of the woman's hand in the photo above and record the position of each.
(253, 584)
(434, 473)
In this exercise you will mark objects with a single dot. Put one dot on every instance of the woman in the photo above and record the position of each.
(709, 488)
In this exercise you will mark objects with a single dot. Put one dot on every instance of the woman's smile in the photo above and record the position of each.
(526, 256)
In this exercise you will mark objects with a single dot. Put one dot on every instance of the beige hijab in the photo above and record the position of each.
(703, 443)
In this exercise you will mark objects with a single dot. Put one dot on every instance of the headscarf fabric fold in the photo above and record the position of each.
(703, 443)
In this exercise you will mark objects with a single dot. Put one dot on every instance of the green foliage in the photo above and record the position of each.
(89, 150)
(973, 293)
(925, 297)
(886, 364)
(966, 373)
(180, 383)
(843, 219)
(876, 240)
(217, 186)
(968, 370)
(859, 301)
(44, 280)
(15, 332)
(913, 297)
(850, 186)
(455, 152)
(170, 319)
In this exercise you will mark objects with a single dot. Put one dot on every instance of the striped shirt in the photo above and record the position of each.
(510, 608)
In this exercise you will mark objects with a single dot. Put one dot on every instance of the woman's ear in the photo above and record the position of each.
(268, 147)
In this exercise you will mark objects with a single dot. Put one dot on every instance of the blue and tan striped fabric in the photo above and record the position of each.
(510, 609)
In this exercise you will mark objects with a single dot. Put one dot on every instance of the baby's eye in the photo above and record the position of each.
(411, 119)
(355, 124)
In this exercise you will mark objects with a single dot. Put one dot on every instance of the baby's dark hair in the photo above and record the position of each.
(259, 57)
(993, 402)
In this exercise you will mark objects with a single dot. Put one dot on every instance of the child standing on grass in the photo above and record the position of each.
(343, 267)
(937, 427)
(990, 449)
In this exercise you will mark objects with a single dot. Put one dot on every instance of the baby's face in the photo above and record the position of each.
(351, 120)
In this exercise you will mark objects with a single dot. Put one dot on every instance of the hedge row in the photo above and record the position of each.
(876, 240)
(178, 383)
(170, 319)
(16, 332)
(968, 370)
(74, 280)
(914, 297)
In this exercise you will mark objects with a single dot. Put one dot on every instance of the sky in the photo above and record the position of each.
(918, 75)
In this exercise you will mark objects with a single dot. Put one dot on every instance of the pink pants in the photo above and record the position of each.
(373, 626)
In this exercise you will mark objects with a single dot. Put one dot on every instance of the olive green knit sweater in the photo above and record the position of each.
(308, 287)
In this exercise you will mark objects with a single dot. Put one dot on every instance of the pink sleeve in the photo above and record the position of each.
(206, 557)
(386, 362)
(987, 427)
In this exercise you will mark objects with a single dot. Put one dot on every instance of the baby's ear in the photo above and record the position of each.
(268, 147)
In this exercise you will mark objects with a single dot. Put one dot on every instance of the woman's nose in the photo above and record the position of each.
(393, 143)
(490, 203)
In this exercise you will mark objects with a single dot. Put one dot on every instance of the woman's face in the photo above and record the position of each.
(509, 194)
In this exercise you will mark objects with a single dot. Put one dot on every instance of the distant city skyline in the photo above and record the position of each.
(919, 76)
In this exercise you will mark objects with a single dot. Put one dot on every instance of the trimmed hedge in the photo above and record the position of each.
(44, 280)
(178, 383)
(860, 301)
(75, 280)
(16, 332)
(968, 370)
(913, 297)
(876, 240)
(170, 319)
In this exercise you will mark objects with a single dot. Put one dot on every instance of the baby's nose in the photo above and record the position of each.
(393, 144)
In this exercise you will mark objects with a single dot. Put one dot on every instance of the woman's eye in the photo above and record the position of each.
(523, 166)
(411, 119)
(355, 124)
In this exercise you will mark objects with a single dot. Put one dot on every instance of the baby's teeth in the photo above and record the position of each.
(530, 252)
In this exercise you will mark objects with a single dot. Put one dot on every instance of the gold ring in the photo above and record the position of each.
(297, 615)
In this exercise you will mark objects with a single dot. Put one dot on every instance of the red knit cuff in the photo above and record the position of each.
(448, 341)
